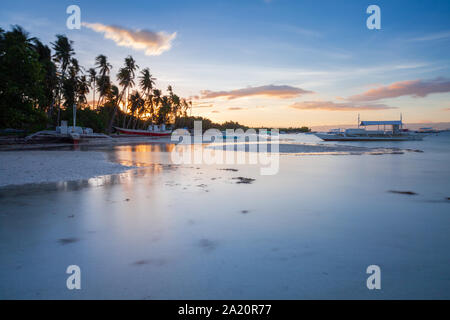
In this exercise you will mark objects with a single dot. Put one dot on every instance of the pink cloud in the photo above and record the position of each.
(415, 88)
(332, 106)
(153, 43)
(273, 91)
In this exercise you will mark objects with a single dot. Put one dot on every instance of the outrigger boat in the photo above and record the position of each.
(152, 130)
(396, 133)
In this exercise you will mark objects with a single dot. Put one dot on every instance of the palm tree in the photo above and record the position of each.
(136, 104)
(156, 102)
(130, 66)
(63, 54)
(92, 77)
(146, 83)
(164, 110)
(70, 84)
(101, 63)
(82, 89)
(103, 86)
(125, 76)
(50, 78)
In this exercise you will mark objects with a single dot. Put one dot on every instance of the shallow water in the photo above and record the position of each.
(165, 231)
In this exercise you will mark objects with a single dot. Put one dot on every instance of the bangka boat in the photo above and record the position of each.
(396, 133)
(153, 131)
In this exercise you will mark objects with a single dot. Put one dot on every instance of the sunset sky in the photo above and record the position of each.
(269, 63)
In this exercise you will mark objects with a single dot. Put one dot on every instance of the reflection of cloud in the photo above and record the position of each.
(215, 111)
(274, 91)
(154, 43)
(416, 88)
(332, 106)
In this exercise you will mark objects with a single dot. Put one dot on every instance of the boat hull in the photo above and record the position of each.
(331, 137)
(144, 132)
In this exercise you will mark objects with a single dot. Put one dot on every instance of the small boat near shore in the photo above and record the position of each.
(152, 131)
(395, 133)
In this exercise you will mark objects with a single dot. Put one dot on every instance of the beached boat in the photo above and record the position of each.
(66, 134)
(395, 133)
(153, 131)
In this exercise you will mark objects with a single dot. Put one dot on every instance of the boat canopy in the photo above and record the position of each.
(381, 123)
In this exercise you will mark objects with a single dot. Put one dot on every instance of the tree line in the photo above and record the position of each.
(40, 84)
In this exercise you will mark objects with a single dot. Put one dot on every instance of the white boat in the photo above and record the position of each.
(395, 132)
(153, 131)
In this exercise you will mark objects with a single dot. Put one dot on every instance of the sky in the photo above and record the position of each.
(275, 63)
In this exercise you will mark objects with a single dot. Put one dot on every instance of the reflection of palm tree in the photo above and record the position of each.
(63, 54)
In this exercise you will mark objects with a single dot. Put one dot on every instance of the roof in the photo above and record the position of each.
(375, 123)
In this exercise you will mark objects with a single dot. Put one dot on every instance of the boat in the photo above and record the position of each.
(394, 133)
(66, 134)
(152, 131)
(427, 130)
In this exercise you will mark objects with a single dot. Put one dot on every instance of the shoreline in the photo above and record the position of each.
(49, 166)
(115, 141)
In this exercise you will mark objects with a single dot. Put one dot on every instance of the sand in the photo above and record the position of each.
(22, 167)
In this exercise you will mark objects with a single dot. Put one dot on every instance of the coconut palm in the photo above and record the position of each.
(92, 78)
(82, 89)
(136, 105)
(146, 83)
(50, 77)
(103, 86)
(63, 54)
(130, 66)
(101, 63)
(125, 76)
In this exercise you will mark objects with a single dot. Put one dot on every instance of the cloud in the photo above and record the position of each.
(153, 43)
(446, 109)
(203, 106)
(415, 88)
(235, 108)
(274, 91)
(332, 106)
(433, 36)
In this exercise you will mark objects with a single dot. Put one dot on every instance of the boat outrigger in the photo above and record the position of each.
(395, 133)
(152, 130)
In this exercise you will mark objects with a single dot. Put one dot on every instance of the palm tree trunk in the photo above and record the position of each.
(113, 116)
(93, 99)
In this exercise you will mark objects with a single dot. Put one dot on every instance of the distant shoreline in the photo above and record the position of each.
(411, 126)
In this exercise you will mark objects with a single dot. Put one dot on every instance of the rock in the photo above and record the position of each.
(410, 193)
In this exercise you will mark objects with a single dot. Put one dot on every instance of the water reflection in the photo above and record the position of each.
(150, 159)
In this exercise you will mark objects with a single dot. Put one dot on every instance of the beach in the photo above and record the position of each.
(140, 227)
